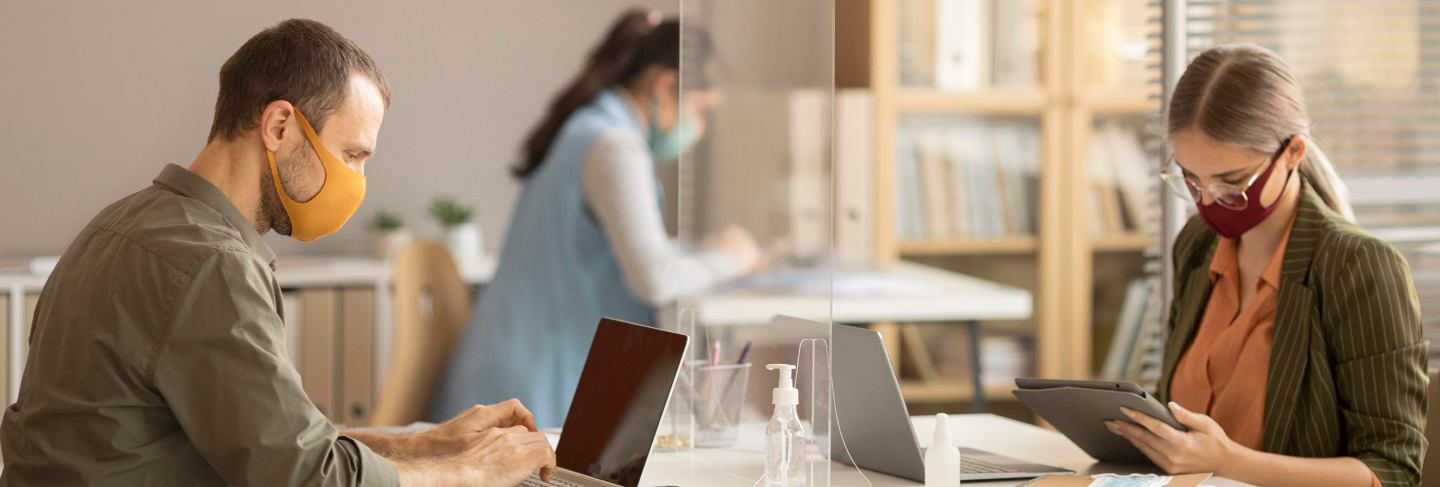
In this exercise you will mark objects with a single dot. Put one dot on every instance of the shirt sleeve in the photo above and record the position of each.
(224, 373)
(618, 179)
(1379, 351)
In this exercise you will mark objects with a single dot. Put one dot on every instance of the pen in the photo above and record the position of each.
(715, 353)
(744, 353)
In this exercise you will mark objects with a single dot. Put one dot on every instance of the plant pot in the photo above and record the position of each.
(467, 246)
(386, 242)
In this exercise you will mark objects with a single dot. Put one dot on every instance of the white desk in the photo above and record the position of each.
(912, 293)
(745, 463)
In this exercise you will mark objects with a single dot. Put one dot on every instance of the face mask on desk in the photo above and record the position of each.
(340, 194)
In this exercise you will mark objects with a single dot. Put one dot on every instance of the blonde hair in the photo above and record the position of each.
(1245, 95)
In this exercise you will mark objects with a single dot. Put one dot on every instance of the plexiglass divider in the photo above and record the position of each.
(752, 192)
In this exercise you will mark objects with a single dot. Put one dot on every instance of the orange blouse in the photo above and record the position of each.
(1224, 371)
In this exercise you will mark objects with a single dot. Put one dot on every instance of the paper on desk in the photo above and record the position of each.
(1112, 480)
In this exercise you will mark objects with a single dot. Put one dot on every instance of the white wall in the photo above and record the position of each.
(96, 97)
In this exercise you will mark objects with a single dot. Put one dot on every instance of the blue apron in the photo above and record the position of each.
(531, 332)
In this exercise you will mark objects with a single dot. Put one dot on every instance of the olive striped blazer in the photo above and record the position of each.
(1347, 367)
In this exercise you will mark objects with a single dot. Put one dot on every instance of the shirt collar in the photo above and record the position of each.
(1226, 261)
(193, 186)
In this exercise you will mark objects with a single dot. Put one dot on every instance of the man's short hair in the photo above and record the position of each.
(300, 61)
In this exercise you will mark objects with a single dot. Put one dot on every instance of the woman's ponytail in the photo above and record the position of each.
(1320, 173)
(610, 63)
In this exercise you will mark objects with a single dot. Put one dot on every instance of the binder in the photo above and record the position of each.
(357, 352)
(317, 358)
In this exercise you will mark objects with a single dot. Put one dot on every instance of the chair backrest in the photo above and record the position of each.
(432, 305)
(1430, 473)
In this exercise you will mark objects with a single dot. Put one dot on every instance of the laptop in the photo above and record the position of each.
(616, 412)
(875, 423)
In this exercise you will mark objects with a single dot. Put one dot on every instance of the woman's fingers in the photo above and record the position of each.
(1155, 426)
(1139, 435)
(1193, 420)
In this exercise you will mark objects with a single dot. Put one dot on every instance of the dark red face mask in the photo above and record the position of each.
(1232, 224)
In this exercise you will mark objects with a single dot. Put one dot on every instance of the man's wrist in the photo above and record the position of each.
(391, 446)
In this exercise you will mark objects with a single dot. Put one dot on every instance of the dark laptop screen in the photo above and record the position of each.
(618, 404)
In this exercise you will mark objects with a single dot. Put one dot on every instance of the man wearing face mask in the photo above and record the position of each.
(587, 238)
(157, 354)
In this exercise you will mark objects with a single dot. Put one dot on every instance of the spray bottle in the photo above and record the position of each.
(784, 436)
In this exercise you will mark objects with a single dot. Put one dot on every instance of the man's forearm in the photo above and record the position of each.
(391, 446)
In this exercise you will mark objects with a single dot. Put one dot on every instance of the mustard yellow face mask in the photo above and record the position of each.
(340, 194)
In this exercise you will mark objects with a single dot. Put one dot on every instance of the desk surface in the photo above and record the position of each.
(745, 464)
(904, 291)
(302, 271)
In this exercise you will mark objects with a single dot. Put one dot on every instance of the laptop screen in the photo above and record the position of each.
(617, 407)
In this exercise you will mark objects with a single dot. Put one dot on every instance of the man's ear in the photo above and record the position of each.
(275, 124)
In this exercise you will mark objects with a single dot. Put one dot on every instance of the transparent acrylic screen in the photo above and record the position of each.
(756, 85)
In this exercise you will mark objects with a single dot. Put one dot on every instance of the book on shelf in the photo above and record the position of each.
(1121, 181)
(1127, 329)
(936, 176)
(853, 177)
(917, 42)
(1003, 355)
(1016, 43)
(962, 59)
(968, 180)
(1137, 346)
(911, 209)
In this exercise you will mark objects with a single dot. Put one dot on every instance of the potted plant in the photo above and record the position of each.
(389, 234)
(462, 236)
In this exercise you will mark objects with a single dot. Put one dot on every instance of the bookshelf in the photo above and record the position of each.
(1086, 73)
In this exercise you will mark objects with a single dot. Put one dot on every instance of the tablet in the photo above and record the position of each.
(1079, 410)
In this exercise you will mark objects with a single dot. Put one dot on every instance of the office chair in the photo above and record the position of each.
(432, 305)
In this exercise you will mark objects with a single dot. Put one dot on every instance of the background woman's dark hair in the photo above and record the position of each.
(631, 45)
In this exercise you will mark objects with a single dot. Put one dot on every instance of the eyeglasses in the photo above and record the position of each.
(1229, 196)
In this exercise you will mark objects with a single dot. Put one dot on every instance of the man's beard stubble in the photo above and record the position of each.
(270, 213)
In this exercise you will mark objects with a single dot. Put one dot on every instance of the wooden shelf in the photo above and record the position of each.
(942, 391)
(1116, 102)
(1122, 243)
(1010, 245)
(1025, 102)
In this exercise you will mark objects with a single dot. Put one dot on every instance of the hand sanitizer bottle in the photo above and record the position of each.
(784, 436)
(942, 460)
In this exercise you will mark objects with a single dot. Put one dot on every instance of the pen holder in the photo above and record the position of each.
(719, 398)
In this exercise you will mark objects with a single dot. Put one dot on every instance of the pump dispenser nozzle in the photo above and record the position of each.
(785, 393)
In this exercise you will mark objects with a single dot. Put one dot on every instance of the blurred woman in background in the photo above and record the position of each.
(587, 239)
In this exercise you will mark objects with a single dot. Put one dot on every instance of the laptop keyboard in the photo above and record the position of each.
(972, 466)
(534, 481)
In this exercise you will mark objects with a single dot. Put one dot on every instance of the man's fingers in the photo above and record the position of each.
(548, 469)
(520, 415)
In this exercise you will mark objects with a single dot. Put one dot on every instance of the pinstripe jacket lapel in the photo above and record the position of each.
(1294, 308)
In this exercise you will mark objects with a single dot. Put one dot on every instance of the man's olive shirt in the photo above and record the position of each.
(157, 357)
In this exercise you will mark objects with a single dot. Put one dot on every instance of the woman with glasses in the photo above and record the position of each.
(1295, 354)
